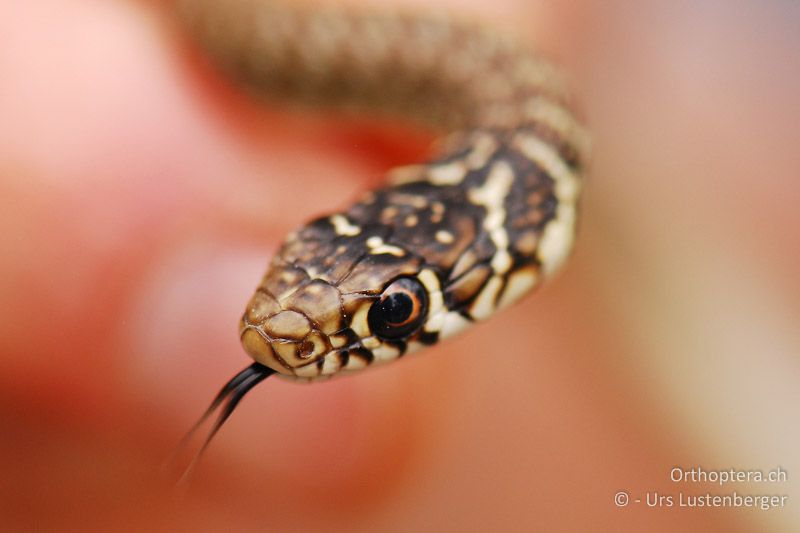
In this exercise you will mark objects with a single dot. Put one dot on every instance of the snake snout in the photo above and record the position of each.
(284, 341)
(290, 332)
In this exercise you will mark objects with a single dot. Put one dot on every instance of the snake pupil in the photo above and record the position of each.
(400, 311)
(396, 308)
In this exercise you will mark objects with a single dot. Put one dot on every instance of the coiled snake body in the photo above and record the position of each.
(444, 243)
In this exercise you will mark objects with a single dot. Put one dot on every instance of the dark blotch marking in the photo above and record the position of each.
(344, 358)
(363, 354)
(428, 338)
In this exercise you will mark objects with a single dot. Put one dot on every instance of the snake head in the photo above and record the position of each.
(332, 303)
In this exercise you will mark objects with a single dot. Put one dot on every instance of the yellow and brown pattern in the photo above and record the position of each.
(442, 244)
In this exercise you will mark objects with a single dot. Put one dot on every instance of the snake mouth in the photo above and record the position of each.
(260, 349)
(285, 356)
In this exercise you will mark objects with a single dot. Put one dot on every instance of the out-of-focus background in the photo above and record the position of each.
(141, 196)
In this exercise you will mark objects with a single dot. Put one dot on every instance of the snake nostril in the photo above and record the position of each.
(305, 350)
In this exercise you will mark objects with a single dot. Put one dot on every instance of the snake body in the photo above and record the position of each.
(444, 243)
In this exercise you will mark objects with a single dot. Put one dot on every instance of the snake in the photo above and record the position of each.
(444, 243)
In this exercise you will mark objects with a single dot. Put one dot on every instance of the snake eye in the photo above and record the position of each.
(400, 310)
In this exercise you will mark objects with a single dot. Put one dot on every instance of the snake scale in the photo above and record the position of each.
(443, 244)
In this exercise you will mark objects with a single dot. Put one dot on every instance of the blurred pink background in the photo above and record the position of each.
(142, 196)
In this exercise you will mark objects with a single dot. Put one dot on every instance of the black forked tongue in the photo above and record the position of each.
(225, 402)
